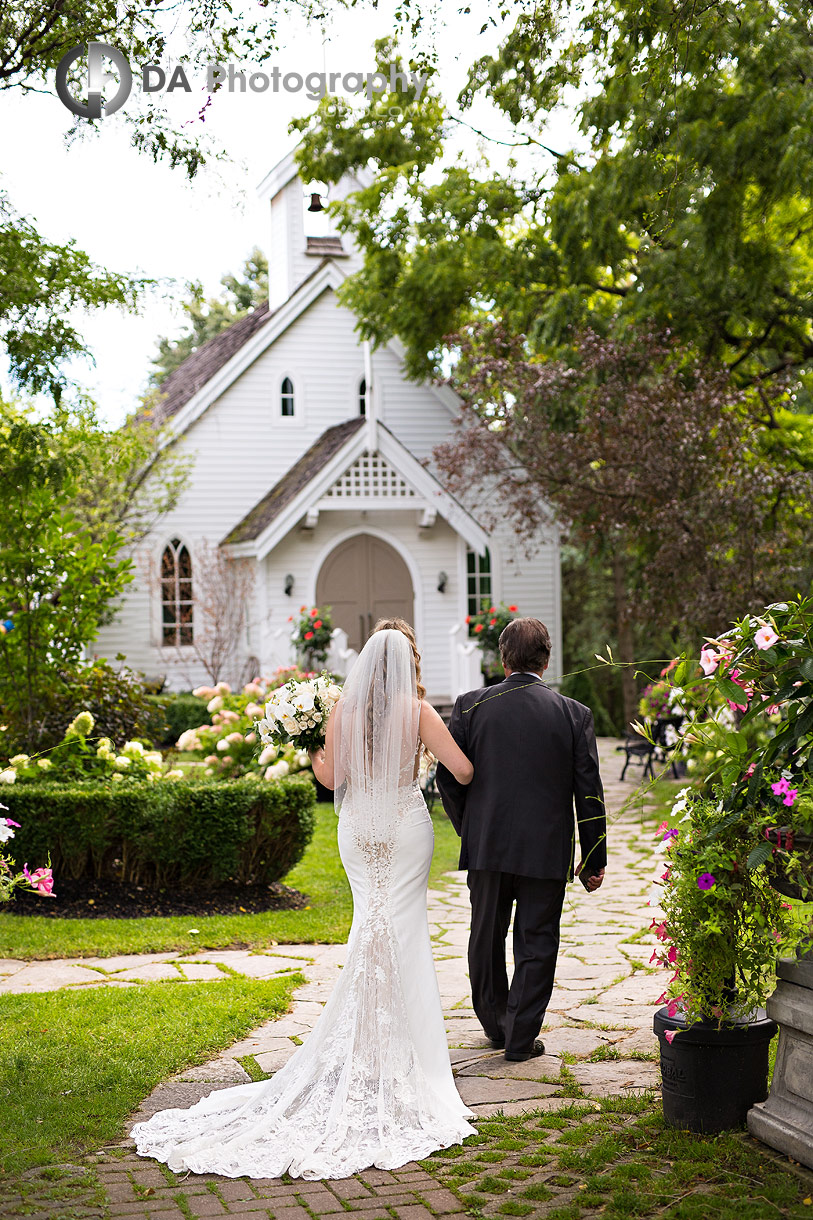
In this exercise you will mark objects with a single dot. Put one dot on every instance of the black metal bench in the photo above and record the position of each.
(645, 753)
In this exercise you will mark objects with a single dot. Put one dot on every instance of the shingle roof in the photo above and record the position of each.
(289, 486)
(201, 365)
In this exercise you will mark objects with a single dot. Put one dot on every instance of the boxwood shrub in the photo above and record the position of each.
(170, 832)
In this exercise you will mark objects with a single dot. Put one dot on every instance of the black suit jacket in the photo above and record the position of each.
(534, 755)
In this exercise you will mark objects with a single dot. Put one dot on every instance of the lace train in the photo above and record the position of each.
(372, 1084)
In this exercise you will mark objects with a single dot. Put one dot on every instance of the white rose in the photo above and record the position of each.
(334, 692)
(291, 726)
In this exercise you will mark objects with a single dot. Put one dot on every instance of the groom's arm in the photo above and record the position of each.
(452, 793)
(588, 794)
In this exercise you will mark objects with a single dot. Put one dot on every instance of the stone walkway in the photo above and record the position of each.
(598, 1036)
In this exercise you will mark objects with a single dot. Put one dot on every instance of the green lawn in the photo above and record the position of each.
(325, 921)
(73, 1065)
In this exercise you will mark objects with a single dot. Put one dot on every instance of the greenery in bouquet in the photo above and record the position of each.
(312, 633)
(297, 713)
(722, 921)
(227, 747)
(487, 627)
(81, 757)
(41, 880)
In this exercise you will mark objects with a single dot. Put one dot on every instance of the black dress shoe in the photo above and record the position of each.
(537, 1050)
(497, 1043)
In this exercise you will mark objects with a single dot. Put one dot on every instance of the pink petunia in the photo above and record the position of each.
(671, 956)
(42, 879)
(765, 638)
(670, 1035)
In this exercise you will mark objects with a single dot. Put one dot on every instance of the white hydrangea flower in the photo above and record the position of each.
(174, 774)
(277, 771)
(188, 740)
(121, 762)
(214, 705)
(116, 776)
(44, 764)
(223, 744)
(133, 749)
(81, 725)
(223, 688)
(267, 756)
(8, 776)
(19, 760)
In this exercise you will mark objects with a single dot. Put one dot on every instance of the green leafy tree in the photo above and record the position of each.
(685, 201)
(208, 317)
(75, 496)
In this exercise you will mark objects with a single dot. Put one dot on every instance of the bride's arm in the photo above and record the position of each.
(322, 760)
(439, 741)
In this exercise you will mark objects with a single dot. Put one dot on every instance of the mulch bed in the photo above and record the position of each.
(104, 899)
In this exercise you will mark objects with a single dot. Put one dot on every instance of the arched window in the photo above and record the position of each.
(287, 397)
(363, 396)
(176, 594)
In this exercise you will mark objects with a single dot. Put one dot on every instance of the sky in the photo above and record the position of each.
(131, 215)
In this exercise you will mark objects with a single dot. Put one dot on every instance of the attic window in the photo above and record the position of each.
(363, 396)
(287, 397)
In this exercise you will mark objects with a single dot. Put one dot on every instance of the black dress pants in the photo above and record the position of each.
(516, 1013)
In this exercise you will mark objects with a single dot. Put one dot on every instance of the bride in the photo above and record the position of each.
(372, 1084)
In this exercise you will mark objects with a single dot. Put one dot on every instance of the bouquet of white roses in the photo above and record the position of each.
(297, 712)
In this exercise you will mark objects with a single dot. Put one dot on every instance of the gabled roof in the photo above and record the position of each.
(297, 478)
(201, 365)
(307, 482)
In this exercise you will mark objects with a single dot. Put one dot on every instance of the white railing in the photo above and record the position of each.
(466, 661)
(340, 658)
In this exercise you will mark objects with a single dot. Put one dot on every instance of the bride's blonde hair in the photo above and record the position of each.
(400, 624)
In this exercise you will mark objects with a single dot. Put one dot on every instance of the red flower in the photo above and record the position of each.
(492, 610)
(308, 635)
(492, 622)
(317, 624)
(314, 612)
(513, 609)
(478, 627)
(302, 609)
(290, 618)
(468, 618)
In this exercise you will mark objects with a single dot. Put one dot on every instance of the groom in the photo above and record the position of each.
(534, 755)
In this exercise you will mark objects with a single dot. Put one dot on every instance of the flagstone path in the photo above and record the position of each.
(598, 1036)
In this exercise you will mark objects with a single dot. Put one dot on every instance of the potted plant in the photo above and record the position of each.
(312, 635)
(749, 829)
(486, 628)
(719, 931)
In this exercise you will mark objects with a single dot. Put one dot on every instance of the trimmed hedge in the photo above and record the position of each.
(175, 714)
(164, 833)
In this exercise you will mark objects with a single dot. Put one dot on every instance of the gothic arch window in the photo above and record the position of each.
(363, 396)
(286, 397)
(176, 594)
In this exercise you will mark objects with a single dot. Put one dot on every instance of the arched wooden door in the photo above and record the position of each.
(363, 580)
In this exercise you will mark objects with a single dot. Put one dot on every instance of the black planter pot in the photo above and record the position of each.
(711, 1077)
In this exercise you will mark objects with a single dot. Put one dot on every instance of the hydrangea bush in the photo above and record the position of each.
(81, 756)
(230, 746)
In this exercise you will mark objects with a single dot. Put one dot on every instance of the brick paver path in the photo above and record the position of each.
(598, 1037)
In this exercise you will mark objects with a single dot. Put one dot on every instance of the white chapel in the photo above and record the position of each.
(313, 463)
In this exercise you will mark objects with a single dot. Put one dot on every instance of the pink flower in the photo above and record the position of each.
(765, 638)
(673, 1005)
(780, 787)
(709, 660)
(671, 956)
(670, 1035)
(10, 822)
(790, 796)
(660, 931)
(42, 879)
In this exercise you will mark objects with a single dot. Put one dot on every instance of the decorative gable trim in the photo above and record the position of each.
(392, 469)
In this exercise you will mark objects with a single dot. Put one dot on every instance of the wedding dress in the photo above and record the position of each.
(372, 1084)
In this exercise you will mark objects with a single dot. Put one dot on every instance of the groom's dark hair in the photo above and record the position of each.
(525, 645)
